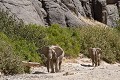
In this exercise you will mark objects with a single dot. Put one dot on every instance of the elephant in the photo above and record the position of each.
(95, 54)
(52, 57)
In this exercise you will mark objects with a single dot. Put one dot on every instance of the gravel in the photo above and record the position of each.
(79, 70)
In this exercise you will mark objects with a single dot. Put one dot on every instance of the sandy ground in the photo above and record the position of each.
(78, 69)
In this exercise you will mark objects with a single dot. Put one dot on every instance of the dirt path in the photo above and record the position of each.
(79, 70)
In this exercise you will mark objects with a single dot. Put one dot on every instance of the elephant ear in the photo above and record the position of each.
(59, 51)
(99, 50)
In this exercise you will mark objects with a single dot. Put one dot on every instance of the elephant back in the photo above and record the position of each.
(59, 51)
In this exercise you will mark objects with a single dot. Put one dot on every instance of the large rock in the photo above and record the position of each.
(40, 11)
(61, 14)
(106, 12)
(87, 8)
(54, 13)
(23, 9)
(73, 21)
(64, 12)
(113, 15)
(75, 6)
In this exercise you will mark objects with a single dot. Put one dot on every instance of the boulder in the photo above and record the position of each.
(55, 14)
(61, 14)
(105, 12)
(113, 15)
(22, 9)
(73, 21)
(87, 8)
(79, 7)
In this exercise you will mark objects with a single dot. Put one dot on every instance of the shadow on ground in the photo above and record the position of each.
(38, 72)
(86, 65)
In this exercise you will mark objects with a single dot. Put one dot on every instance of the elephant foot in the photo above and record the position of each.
(56, 70)
(98, 64)
(52, 72)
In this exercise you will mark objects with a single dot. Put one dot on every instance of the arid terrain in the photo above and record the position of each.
(77, 69)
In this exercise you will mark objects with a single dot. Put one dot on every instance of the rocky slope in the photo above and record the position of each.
(64, 12)
(78, 69)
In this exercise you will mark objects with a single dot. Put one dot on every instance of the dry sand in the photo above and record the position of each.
(77, 69)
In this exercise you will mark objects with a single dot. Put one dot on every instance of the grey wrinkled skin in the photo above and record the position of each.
(52, 57)
(95, 54)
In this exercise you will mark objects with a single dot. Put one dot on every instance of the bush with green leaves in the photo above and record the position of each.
(26, 50)
(10, 63)
(67, 38)
(34, 34)
(23, 45)
(106, 38)
(8, 24)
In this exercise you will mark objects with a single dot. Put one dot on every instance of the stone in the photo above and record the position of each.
(55, 15)
(113, 15)
(73, 21)
(87, 8)
(22, 9)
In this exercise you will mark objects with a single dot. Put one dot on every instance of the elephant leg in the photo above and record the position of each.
(91, 53)
(60, 65)
(96, 60)
(99, 60)
(56, 65)
(52, 66)
(95, 63)
(93, 60)
(48, 64)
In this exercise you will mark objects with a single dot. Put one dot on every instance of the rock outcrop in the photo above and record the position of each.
(106, 11)
(64, 12)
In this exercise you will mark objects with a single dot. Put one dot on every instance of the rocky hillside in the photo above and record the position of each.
(64, 12)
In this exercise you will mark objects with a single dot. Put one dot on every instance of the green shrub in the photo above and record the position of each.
(33, 33)
(21, 39)
(9, 62)
(8, 24)
(106, 38)
(26, 50)
(67, 38)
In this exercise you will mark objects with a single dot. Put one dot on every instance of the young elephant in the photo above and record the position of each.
(52, 56)
(95, 54)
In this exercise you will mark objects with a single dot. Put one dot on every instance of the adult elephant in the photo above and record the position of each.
(95, 54)
(52, 57)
